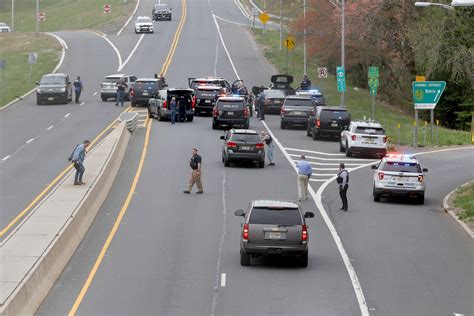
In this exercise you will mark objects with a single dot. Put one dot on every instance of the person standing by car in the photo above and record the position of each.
(78, 157)
(305, 170)
(78, 88)
(181, 110)
(261, 106)
(173, 108)
(343, 181)
(121, 86)
(305, 83)
(161, 82)
(268, 140)
(195, 178)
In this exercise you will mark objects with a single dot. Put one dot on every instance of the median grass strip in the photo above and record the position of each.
(358, 101)
(14, 49)
(464, 201)
(66, 14)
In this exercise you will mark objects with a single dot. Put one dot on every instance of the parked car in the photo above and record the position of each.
(274, 228)
(314, 94)
(142, 90)
(365, 138)
(328, 121)
(399, 175)
(54, 88)
(158, 106)
(231, 111)
(108, 88)
(160, 12)
(243, 145)
(296, 110)
(206, 97)
(4, 28)
(143, 24)
(218, 81)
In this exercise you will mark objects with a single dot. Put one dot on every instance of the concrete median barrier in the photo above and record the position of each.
(33, 256)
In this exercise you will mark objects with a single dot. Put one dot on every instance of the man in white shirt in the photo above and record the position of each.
(343, 181)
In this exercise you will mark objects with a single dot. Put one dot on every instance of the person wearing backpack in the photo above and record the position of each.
(78, 88)
(77, 158)
(268, 140)
(343, 182)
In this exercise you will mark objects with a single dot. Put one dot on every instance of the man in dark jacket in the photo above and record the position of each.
(305, 83)
(121, 86)
(78, 88)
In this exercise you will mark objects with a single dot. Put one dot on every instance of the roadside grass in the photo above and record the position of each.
(65, 14)
(357, 99)
(464, 199)
(14, 49)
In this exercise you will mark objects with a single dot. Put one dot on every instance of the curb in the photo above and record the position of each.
(63, 54)
(447, 208)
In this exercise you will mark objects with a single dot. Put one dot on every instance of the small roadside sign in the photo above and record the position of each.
(41, 17)
(107, 8)
(373, 72)
(420, 78)
(290, 42)
(322, 72)
(426, 94)
(32, 58)
(264, 17)
(341, 79)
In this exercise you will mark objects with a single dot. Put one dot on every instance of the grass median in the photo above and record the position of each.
(464, 201)
(398, 125)
(14, 50)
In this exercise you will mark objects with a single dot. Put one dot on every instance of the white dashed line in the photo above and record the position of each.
(83, 102)
(223, 279)
(50, 127)
(94, 94)
(67, 114)
(30, 140)
(5, 158)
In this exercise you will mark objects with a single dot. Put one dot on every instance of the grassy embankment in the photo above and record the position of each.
(464, 199)
(358, 101)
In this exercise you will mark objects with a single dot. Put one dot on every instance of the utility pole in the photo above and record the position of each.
(304, 36)
(13, 14)
(343, 43)
(281, 23)
(36, 17)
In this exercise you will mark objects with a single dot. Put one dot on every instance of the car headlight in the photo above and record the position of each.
(62, 90)
(39, 90)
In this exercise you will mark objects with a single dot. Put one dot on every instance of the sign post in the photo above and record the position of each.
(373, 76)
(264, 17)
(107, 8)
(32, 58)
(290, 43)
(2, 67)
(341, 81)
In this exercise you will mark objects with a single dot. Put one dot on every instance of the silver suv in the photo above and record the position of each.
(108, 88)
(399, 175)
(274, 228)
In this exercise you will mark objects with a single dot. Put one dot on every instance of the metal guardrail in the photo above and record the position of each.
(131, 120)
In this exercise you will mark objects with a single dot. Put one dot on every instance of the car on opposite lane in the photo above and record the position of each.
(4, 27)
(327, 121)
(399, 175)
(274, 228)
(143, 24)
(206, 97)
(54, 88)
(108, 88)
(243, 145)
(161, 12)
(364, 138)
(158, 105)
(142, 90)
(231, 111)
(296, 110)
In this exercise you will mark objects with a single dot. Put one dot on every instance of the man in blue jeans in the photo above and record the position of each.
(78, 160)
(173, 108)
(121, 86)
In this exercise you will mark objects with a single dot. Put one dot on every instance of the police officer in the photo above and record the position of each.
(78, 88)
(195, 178)
(343, 182)
(305, 83)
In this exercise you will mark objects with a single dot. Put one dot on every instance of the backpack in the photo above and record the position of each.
(339, 178)
(72, 154)
(268, 140)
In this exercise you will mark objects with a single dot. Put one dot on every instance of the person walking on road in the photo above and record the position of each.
(305, 83)
(78, 157)
(121, 86)
(305, 170)
(78, 88)
(268, 140)
(261, 106)
(343, 181)
(195, 178)
(173, 108)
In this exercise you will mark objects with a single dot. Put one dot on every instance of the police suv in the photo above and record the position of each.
(399, 175)
(143, 24)
(364, 137)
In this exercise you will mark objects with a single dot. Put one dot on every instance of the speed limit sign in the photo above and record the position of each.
(322, 72)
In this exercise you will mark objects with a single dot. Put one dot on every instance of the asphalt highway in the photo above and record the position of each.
(179, 254)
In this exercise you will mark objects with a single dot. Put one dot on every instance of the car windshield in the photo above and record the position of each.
(400, 166)
(369, 130)
(196, 83)
(162, 8)
(143, 20)
(146, 84)
(112, 80)
(53, 80)
(334, 115)
(208, 92)
(230, 105)
(275, 216)
(2, 25)
(298, 102)
(246, 138)
(274, 94)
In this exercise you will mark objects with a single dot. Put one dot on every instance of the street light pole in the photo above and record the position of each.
(13, 14)
(36, 17)
(281, 23)
(304, 36)
(343, 42)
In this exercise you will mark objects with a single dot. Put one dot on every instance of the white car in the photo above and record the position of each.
(4, 28)
(143, 24)
(399, 175)
(364, 137)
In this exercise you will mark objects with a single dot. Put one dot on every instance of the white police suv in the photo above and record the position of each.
(399, 175)
(143, 24)
(364, 137)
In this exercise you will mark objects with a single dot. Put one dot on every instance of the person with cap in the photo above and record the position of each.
(305, 170)
(343, 182)
(305, 83)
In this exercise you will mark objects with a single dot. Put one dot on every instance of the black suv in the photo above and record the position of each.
(142, 90)
(195, 82)
(329, 121)
(158, 105)
(243, 145)
(274, 228)
(54, 88)
(231, 111)
(161, 12)
(295, 110)
(206, 97)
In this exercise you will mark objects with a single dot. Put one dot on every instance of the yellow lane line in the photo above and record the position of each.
(176, 37)
(114, 229)
(52, 184)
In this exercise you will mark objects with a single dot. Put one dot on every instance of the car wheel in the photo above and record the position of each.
(420, 199)
(38, 102)
(341, 149)
(282, 125)
(190, 118)
(246, 126)
(150, 115)
(308, 131)
(244, 258)
(376, 196)
(214, 125)
(133, 104)
(348, 151)
(314, 134)
(261, 163)
(103, 99)
(226, 162)
(160, 118)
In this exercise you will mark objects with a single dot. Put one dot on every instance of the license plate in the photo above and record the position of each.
(274, 235)
(369, 140)
(50, 98)
(298, 113)
(207, 101)
(230, 113)
(333, 124)
(277, 102)
(145, 93)
(245, 147)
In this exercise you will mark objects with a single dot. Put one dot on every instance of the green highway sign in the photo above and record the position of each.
(373, 83)
(373, 92)
(341, 79)
(426, 94)
(373, 72)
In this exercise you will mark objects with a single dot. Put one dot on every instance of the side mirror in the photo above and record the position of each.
(425, 169)
(239, 213)
(222, 137)
(374, 167)
(308, 215)
(37, 83)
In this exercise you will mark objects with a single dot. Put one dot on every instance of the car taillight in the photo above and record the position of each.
(193, 102)
(246, 112)
(318, 123)
(420, 178)
(385, 139)
(164, 105)
(260, 146)
(132, 92)
(353, 137)
(245, 232)
(304, 233)
(380, 175)
(231, 145)
(215, 112)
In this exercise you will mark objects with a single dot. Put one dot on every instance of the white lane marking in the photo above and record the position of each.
(117, 52)
(94, 94)
(331, 169)
(313, 152)
(83, 102)
(60, 40)
(30, 140)
(317, 180)
(129, 19)
(50, 127)
(67, 114)
(225, 47)
(223, 279)
(333, 164)
(241, 9)
(329, 159)
(233, 22)
(132, 52)
(5, 158)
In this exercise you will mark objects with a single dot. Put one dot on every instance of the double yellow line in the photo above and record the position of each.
(136, 178)
(53, 183)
